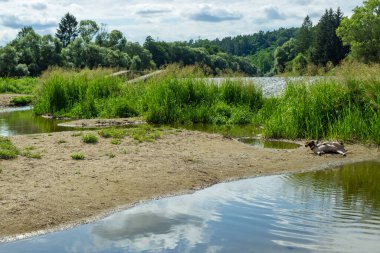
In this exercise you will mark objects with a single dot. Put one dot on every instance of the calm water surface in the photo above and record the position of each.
(14, 121)
(326, 211)
(262, 143)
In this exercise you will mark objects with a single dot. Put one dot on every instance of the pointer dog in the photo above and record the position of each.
(326, 147)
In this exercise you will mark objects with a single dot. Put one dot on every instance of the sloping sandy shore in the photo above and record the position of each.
(57, 191)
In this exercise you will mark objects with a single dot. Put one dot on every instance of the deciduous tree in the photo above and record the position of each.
(362, 32)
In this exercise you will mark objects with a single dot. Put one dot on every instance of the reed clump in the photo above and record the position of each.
(346, 110)
(169, 98)
(344, 107)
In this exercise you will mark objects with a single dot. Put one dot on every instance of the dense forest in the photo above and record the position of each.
(309, 49)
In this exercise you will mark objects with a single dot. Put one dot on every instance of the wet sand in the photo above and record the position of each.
(56, 191)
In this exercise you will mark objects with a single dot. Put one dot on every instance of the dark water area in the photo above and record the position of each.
(17, 121)
(262, 143)
(335, 210)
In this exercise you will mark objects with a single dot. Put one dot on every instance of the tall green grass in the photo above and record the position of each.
(344, 108)
(193, 100)
(332, 109)
(24, 85)
(166, 99)
(80, 95)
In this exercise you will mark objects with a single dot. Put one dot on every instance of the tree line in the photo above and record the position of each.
(86, 44)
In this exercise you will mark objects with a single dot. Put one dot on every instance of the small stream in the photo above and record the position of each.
(335, 210)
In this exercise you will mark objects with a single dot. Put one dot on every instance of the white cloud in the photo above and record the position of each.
(168, 19)
(209, 13)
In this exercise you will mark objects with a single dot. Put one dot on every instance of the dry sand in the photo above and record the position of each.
(57, 191)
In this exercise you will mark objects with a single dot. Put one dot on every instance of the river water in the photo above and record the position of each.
(335, 210)
(15, 121)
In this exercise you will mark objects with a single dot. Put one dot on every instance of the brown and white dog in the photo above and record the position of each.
(326, 147)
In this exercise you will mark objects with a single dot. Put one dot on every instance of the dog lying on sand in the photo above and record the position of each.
(326, 147)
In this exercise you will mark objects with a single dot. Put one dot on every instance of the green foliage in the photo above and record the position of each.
(7, 149)
(284, 54)
(76, 94)
(163, 100)
(90, 138)
(197, 101)
(264, 61)
(144, 133)
(77, 156)
(21, 101)
(24, 85)
(362, 32)
(88, 29)
(115, 141)
(29, 54)
(347, 111)
(328, 46)
(299, 64)
(305, 36)
(68, 29)
(244, 45)
(117, 133)
(8, 60)
(29, 154)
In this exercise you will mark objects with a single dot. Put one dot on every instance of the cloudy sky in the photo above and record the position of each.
(166, 19)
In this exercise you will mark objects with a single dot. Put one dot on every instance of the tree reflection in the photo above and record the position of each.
(356, 186)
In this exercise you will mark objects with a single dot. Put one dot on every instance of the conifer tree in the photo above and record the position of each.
(68, 29)
(305, 35)
(329, 46)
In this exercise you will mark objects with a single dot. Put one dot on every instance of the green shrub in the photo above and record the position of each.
(21, 101)
(7, 149)
(90, 138)
(117, 133)
(77, 156)
(144, 133)
(116, 141)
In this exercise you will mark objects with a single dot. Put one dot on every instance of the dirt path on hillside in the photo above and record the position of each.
(57, 191)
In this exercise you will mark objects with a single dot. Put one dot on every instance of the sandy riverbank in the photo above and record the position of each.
(5, 99)
(56, 191)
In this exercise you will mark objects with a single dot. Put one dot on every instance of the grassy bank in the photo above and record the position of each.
(18, 85)
(344, 108)
(166, 99)
(346, 111)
